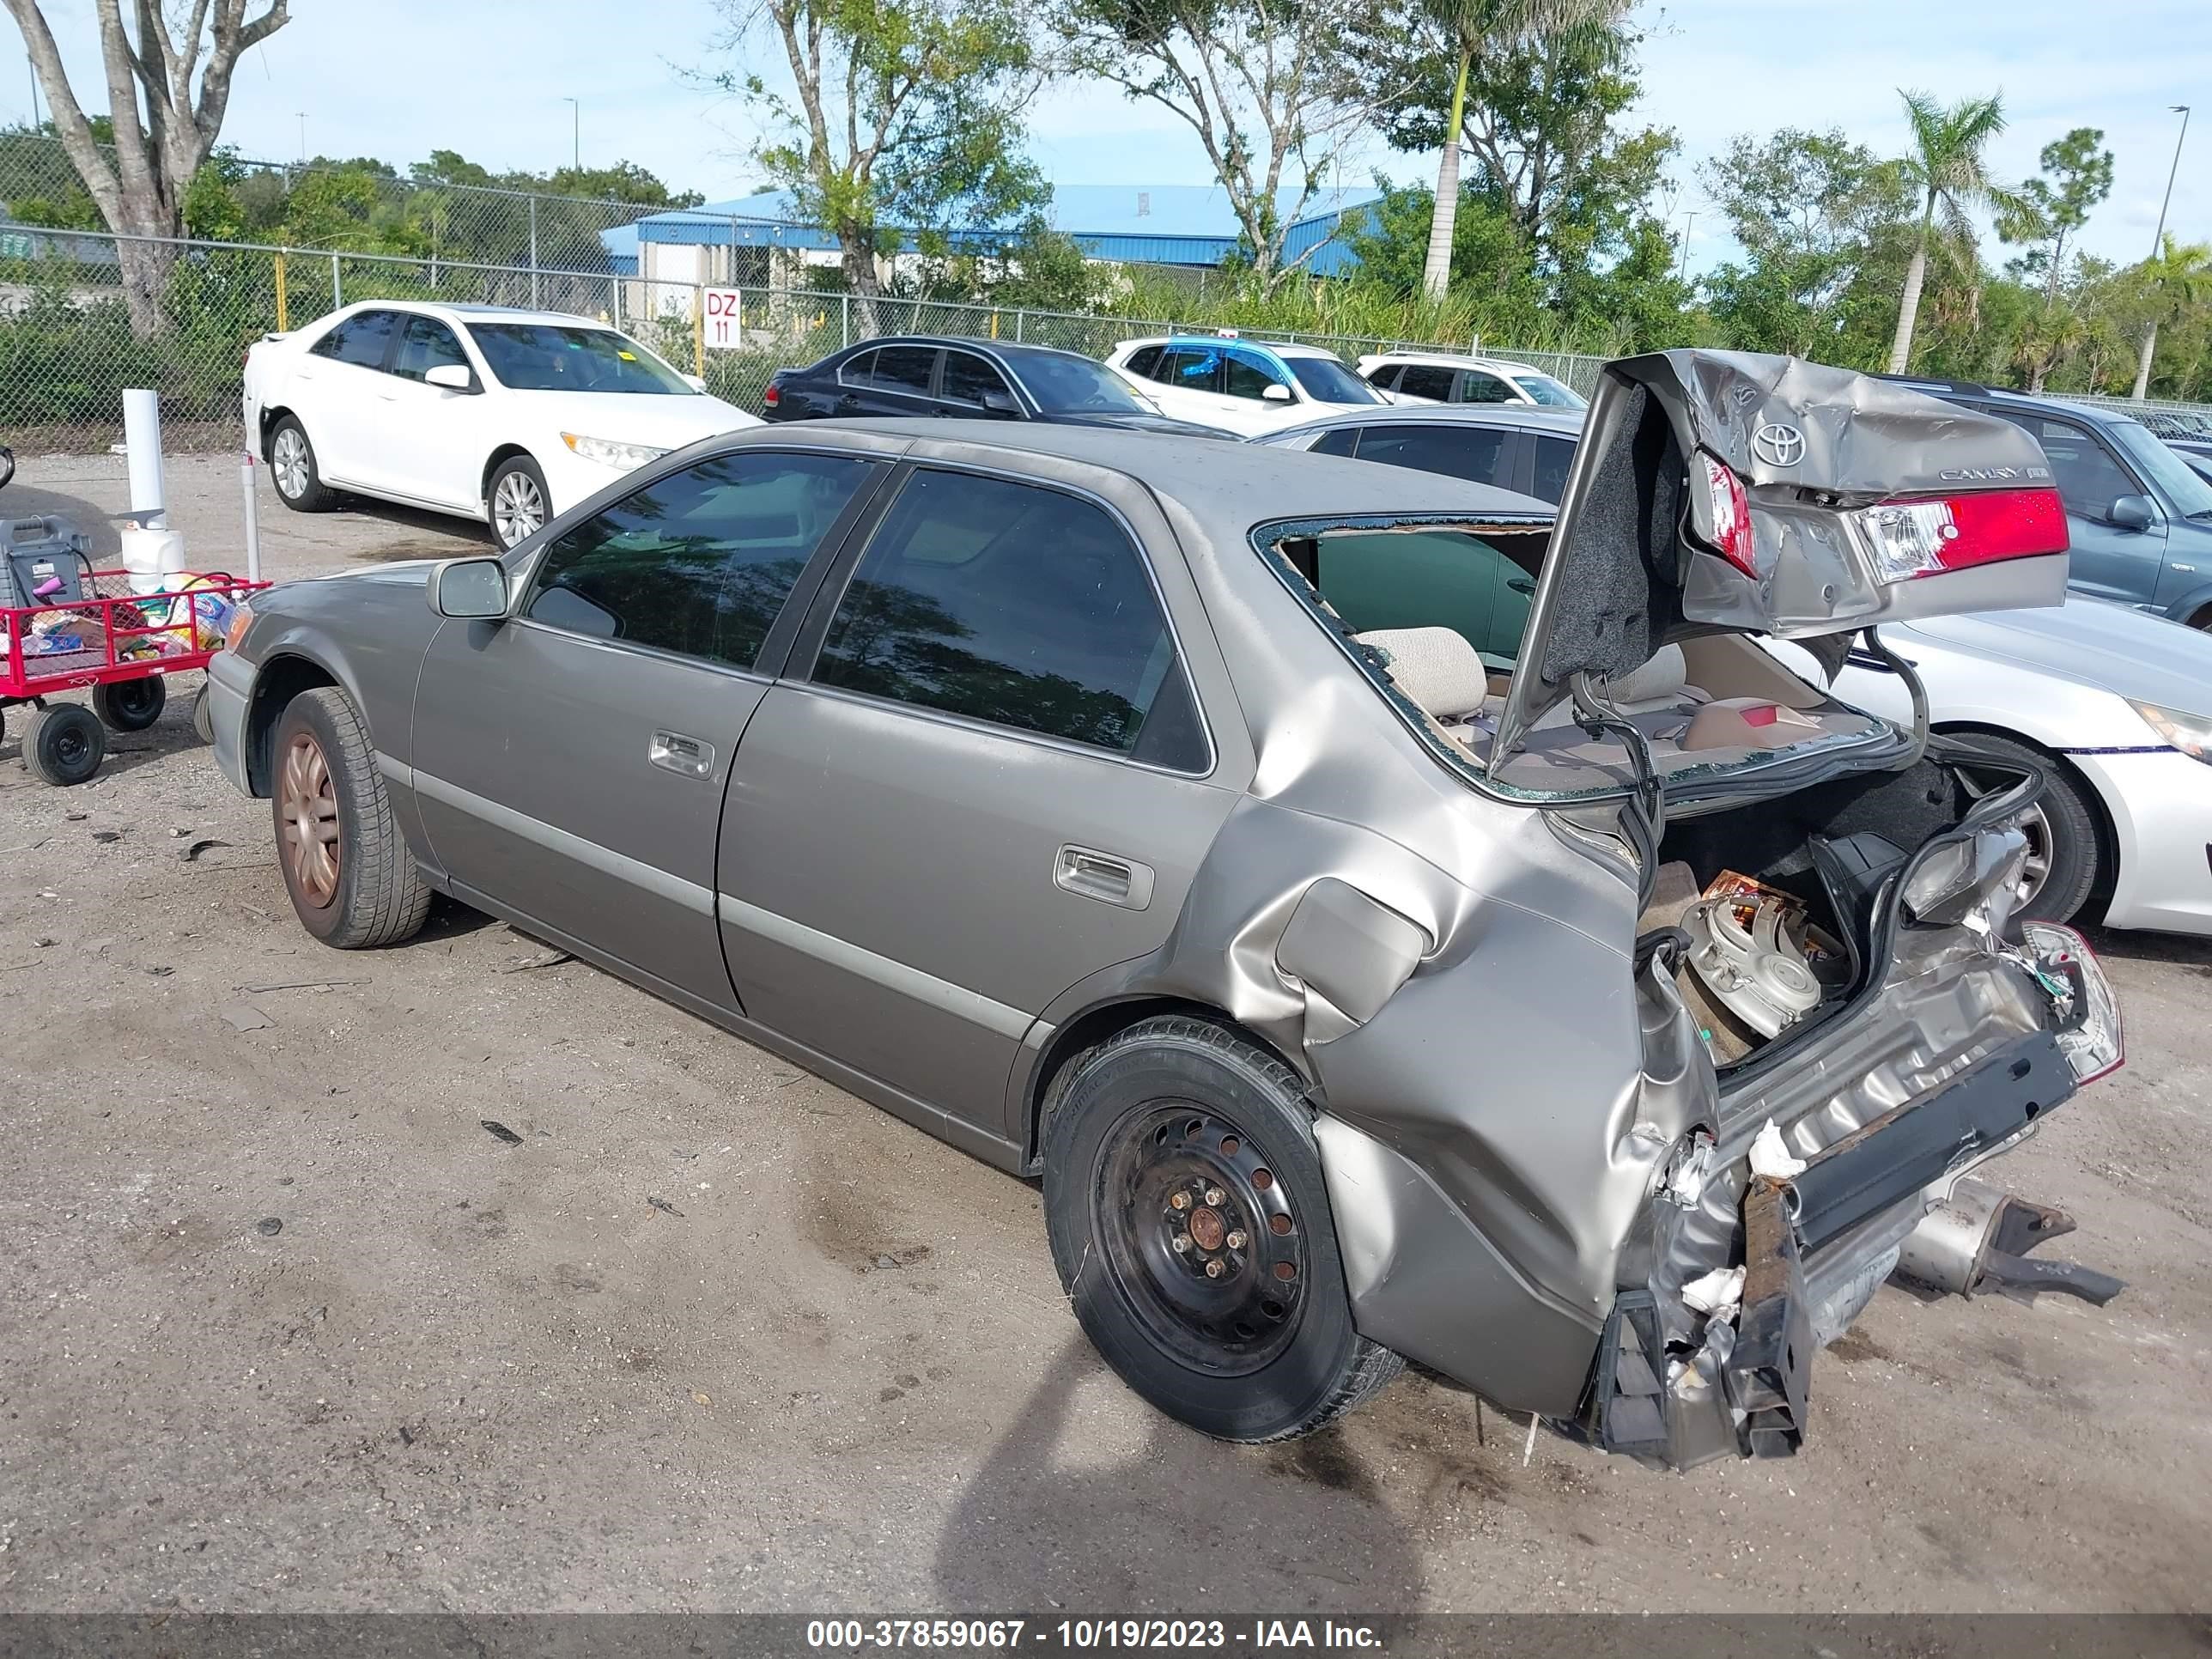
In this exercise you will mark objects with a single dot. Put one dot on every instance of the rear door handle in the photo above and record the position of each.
(688, 758)
(1106, 877)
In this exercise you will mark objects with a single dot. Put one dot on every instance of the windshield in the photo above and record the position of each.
(2191, 497)
(1552, 394)
(1328, 382)
(1063, 386)
(556, 357)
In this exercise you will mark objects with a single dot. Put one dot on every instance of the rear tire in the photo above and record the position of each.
(353, 883)
(1177, 1129)
(129, 705)
(63, 744)
(294, 469)
(2066, 852)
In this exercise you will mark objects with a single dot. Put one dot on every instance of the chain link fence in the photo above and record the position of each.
(69, 344)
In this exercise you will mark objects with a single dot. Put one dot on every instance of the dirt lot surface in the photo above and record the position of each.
(283, 1325)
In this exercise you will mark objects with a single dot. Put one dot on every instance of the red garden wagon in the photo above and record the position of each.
(121, 645)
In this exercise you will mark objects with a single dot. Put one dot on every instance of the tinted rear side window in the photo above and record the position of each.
(904, 368)
(1480, 454)
(701, 561)
(1194, 368)
(360, 340)
(1430, 380)
(1018, 606)
(1554, 457)
(1337, 440)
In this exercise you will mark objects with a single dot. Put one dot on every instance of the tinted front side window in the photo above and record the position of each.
(1337, 440)
(1477, 387)
(1430, 380)
(1326, 381)
(1011, 603)
(360, 340)
(701, 561)
(1246, 377)
(1143, 361)
(1479, 454)
(425, 344)
(968, 377)
(1551, 393)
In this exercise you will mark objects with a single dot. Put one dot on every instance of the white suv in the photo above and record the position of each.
(1244, 387)
(1437, 377)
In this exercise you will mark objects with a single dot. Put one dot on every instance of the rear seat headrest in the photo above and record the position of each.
(1434, 666)
(1661, 675)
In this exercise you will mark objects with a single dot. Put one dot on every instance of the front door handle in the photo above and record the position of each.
(688, 758)
(1523, 585)
(1106, 877)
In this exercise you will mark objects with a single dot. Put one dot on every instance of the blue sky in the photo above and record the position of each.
(396, 78)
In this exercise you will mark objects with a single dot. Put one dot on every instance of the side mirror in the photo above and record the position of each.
(2131, 512)
(1001, 402)
(1275, 392)
(474, 590)
(696, 382)
(452, 377)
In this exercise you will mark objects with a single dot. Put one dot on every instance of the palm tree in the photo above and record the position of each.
(1472, 27)
(1946, 166)
(2180, 277)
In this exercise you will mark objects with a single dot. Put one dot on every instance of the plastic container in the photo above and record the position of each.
(151, 557)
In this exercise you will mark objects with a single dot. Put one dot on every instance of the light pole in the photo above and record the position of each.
(302, 114)
(575, 135)
(1683, 274)
(2158, 236)
(2157, 247)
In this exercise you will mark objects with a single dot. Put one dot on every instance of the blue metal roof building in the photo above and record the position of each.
(1187, 225)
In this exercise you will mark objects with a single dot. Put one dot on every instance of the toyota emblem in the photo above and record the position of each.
(1778, 445)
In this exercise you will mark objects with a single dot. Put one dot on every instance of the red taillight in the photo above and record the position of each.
(1731, 516)
(773, 396)
(1928, 537)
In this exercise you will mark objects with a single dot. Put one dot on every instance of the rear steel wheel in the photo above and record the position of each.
(1189, 1220)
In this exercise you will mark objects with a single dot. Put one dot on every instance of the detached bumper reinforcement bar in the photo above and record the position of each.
(1907, 1150)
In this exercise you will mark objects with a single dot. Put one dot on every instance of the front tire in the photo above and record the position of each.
(352, 881)
(129, 705)
(294, 469)
(518, 500)
(1189, 1222)
(2065, 852)
(63, 744)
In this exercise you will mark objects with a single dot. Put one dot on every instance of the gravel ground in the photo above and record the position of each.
(283, 1326)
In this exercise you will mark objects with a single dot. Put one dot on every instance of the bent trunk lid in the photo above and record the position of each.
(1734, 492)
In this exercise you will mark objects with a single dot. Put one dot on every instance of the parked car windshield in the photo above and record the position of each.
(1552, 394)
(1328, 382)
(554, 357)
(1068, 384)
(2191, 496)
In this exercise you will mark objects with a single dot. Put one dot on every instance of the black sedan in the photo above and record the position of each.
(968, 379)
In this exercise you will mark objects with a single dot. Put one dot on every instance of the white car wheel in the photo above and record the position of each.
(518, 501)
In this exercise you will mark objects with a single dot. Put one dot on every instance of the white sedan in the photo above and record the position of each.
(2116, 706)
(509, 416)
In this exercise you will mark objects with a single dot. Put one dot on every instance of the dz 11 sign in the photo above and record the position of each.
(722, 321)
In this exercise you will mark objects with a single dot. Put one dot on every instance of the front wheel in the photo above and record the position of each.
(1189, 1222)
(519, 503)
(352, 881)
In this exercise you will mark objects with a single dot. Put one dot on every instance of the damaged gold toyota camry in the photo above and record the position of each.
(1599, 1027)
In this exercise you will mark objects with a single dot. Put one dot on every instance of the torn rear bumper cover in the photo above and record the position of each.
(1745, 1388)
